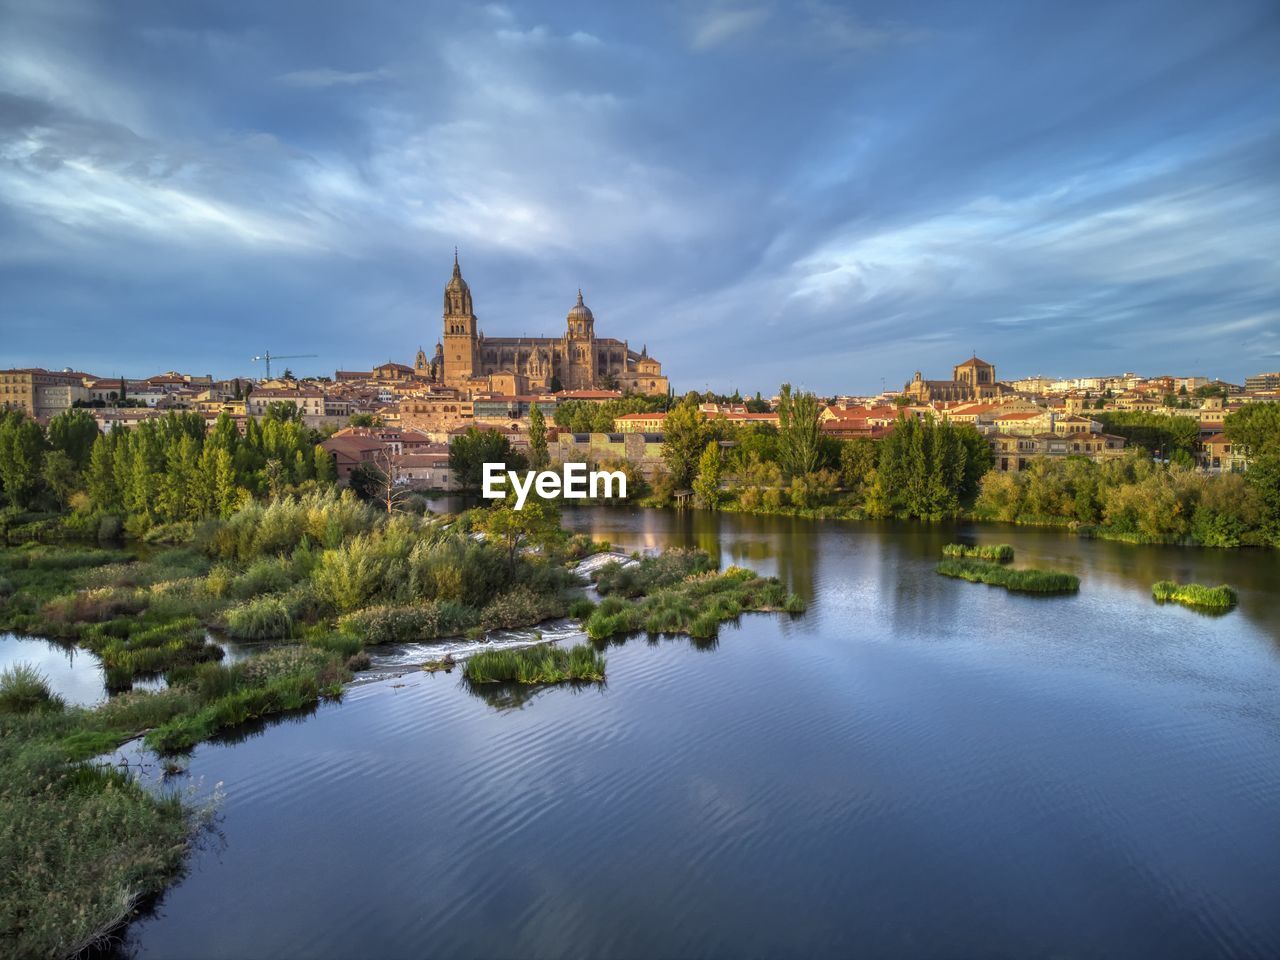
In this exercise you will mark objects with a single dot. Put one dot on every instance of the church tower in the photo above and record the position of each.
(459, 329)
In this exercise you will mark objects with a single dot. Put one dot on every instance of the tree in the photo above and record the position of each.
(22, 449)
(471, 450)
(325, 472)
(857, 464)
(538, 455)
(60, 476)
(706, 486)
(555, 386)
(799, 432)
(537, 524)
(684, 440)
(74, 433)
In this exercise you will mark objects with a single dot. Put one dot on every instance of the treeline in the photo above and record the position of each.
(167, 470)
(1172, 438)
(587, 416)
(923, 470)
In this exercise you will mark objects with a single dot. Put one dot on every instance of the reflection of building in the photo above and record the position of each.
(576, 360)
(972, 380)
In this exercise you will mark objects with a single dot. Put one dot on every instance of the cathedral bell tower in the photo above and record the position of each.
(459, 329)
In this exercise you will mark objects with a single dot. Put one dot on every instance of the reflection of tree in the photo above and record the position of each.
(514, 696)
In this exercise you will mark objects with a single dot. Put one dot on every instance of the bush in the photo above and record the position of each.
(1220, 598)
(581, 609)
(652, 573)
(260, 619)
(407, 624)
(110, 527)
(23, 688)
(521, 607)
(545, 664)
(996, 552)
(1022, 581)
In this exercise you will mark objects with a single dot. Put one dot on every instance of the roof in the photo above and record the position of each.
(589, 394)
(657, 415)
(973, 362)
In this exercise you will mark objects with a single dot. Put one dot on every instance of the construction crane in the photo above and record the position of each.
(269, 356)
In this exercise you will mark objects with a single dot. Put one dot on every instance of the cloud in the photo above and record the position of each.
(717, 26)
(322, 77)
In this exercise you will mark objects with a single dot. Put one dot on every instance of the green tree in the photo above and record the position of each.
(472, 449)
(706, 486)
(539, 458)
(22, 450)
(799, 433)
(537, 524)
(74, 433)
(684, 438)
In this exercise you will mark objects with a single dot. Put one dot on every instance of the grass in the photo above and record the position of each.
(1220, 598)
(1021, 581)
(651, 573)
(542, 664)
(995, 552)
(696, 605)
(23, 688)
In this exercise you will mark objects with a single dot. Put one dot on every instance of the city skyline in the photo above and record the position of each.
(759, 192)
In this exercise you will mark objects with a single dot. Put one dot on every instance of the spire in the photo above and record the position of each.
(457, 270)
(579, 296)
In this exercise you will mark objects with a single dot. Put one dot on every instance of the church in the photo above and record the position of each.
(468, 361)
(972, 380)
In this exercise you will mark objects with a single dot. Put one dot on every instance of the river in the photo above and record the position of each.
(916, 767)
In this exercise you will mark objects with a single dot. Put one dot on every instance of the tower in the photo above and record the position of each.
(459, 329)
(580, 335)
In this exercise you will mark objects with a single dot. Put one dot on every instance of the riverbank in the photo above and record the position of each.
(323, 579)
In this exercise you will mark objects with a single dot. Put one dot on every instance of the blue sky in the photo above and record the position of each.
(818, 192)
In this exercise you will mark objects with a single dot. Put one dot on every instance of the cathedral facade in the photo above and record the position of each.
(467, 360)
(972, 380)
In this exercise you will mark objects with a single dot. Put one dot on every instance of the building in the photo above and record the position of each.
(1262, 383)
(468, 361)
(1219, 455)
(1014, 452)
(42, 393)
(972, 380)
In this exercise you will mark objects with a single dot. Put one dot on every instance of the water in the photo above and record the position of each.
(917, 767)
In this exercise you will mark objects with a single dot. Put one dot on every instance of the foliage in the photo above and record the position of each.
(588, 416)
(24, 688)
(695, 605)
(800, 446)
(1023, 581)
(542, 664)
(706, 486)
(927, 469)
(684, 439)
(471, 450)
(997, 552)
(1153, 432)
(651, 573)
(539, 458)
(1220, 598)
(537, 524)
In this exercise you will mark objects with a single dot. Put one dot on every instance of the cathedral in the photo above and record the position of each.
(972, 380)
(468, 361)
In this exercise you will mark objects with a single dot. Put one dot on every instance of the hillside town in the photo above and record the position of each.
(394, 407)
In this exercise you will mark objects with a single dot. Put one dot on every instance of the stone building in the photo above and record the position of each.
(467, 360)
(972, 380)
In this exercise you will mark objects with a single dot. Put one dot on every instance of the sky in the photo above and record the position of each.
(830, 194)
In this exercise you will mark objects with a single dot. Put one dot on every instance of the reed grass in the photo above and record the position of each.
(1220, 598)
(542, 664)
(24, 688)
(995, 552)
(1020, 581)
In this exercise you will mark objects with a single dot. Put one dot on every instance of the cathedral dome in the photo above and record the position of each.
(580, 311)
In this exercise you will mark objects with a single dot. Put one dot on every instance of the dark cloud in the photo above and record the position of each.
(759, 191)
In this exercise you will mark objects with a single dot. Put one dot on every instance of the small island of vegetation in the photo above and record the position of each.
(996, 552)
(541, 664)
(1019, 581)
(1217, 599)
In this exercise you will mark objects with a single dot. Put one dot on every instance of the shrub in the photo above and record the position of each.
(1220, 598)
(407, 624)
(652, 573)
(996, 552)
(260, 619)
(545, 664)
(6, 586)
(1022, 581)
(23, 688)
(581, 608)
(521, 607)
